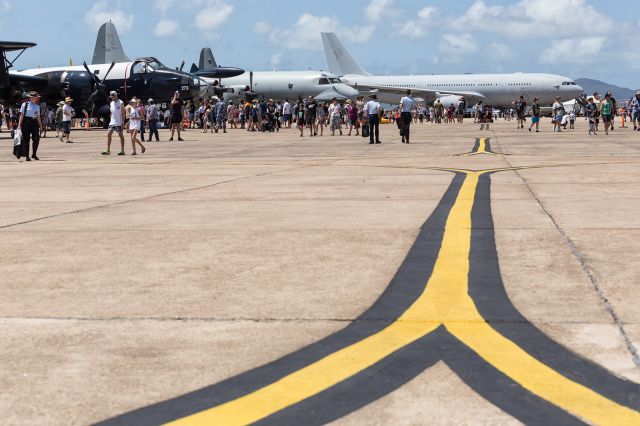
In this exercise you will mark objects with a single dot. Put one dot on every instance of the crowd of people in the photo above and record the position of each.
(33, 118)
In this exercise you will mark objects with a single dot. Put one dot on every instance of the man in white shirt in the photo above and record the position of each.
(67, 115)
(373, 111)
(116, 107)
(406, 103)
(29, 124)
(286, 114)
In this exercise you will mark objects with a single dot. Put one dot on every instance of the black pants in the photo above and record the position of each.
(374, 126)
(153, 130)
(406, 124)
(30, 132)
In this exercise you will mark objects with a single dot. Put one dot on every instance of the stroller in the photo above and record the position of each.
(270, 123)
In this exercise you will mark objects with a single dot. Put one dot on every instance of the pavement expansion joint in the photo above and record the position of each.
(635, 355)
(443, 304)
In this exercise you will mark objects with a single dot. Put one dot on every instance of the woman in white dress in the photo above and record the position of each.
(135, 120)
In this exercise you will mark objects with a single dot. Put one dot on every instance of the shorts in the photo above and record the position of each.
(66, 127)
(311, 119)
(521, 116)
(58, 125)
(558, 118)
(535, 119)
(176, 119)
(606, 118)
(286, 117)
(117, 129)
(191, 116)
(353, 121)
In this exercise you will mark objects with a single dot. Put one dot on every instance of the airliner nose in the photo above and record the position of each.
(346, 90)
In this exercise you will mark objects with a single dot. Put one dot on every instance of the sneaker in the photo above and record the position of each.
(171, 139)
(181, 140)
(35, 157)
(69, 141)
(106, 153)
(121, 153)
(133, 153)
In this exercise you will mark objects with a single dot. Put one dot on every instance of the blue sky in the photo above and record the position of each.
(578, 38)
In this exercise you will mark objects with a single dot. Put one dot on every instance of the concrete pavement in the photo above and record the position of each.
(128, 281)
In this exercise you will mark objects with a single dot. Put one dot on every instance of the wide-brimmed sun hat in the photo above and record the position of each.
(33, 94)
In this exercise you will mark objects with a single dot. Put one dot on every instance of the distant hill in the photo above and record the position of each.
(590, 86)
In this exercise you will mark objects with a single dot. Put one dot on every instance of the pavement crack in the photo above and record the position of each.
(585, 268)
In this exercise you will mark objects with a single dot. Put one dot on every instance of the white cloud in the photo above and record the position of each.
(549, 19)
(213, 15)
(418, 28)
(262, 27)
(573, 50)
(378, 9)
(166, 28)
(276, 60)
(499, 51)
(454, 47)
(162, 5)
(459, 43)
(305, 33)
(6, 6)
(101, 12)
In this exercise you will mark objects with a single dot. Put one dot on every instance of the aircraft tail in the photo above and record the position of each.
(108, 47)
(207, 61)
(339, 59)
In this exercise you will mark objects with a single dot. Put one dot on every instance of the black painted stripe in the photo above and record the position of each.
(405, 287)
(487, 290)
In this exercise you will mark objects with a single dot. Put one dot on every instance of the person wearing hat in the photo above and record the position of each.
(29, 123)
(116, 108)
(67, 115)
(135, 119)
(177, 113)
(152, 119)
(535, 115)
(58, 118)
(373, 110)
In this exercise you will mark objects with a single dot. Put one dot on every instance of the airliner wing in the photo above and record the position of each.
(429, 95)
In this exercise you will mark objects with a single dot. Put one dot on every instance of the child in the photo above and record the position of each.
(572, 120)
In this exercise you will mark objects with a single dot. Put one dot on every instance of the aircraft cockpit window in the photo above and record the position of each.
(334, 80)
(156, 64)
(323, 80)
(139, 68)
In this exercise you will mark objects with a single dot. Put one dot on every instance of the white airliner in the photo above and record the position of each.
(493, 89)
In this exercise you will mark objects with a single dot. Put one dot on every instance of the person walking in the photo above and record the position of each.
(177, 106)
(606, 111)
(406, 104)
(135, 120)
(221, 116)
(521, 106)
(335, 115)
(373, 111)
(58, 118)
(352, 116)
(29, 123)
(300, 117)
(67, 115)
(152, 119)
(590, 113)
(535, 115)
(312, 110)
(558, 113)
(635, 111)
(116, 107)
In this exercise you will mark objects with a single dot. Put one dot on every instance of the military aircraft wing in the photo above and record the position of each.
(428, 95)
(9, 46)
(29, 81)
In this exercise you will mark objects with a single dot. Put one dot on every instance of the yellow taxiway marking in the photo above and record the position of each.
(482, 148)
(445, 301)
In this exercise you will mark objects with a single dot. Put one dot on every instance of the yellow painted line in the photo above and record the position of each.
(444, 301)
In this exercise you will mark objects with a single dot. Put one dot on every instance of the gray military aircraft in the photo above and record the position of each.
(89, 85)
(279, 84)
(493, 89)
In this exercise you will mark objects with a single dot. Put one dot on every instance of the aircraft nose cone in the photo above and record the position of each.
(346, 90)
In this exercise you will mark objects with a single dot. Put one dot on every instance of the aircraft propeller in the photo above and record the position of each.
(99, 86)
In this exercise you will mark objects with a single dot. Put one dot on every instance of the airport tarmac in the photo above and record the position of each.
(475, 277)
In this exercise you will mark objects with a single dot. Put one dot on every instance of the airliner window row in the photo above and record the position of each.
(519, 84)
(569, 83)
